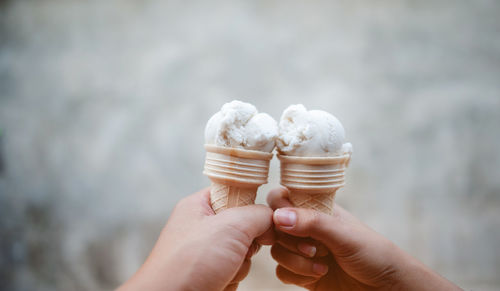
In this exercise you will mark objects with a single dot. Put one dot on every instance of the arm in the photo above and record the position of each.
(357, 257)
(198, 250)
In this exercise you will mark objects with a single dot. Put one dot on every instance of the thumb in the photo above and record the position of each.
(251, 220)
(334, 231)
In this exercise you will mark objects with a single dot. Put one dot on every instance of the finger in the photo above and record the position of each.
(231, 287)
(338, 232)
(288, 277)
(268, 237)
(197, 203)
(297, 263)
(251, 220)
(253, 249)
(303, 246)
(242, 272)
(278, 198)
(313, 248)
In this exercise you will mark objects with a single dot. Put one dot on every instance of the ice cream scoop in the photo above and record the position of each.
(240, 125)
(313, 157)
(239, 141)
(313, 133)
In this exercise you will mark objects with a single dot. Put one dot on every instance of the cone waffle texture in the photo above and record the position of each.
(224, 196)
(313, 181)
(235, 174)
(318, 201)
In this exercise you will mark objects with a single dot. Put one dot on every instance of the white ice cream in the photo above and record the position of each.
(313, 133)
(240, 125)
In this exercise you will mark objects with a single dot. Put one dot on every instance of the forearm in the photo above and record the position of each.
(414, 275)
(156, 275)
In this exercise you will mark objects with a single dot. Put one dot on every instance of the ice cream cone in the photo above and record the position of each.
(313, 181)
(235, 174)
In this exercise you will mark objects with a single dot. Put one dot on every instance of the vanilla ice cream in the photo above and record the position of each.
(313, 133)
(240, 125)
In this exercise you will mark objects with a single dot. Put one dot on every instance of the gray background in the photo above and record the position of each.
(103, 106)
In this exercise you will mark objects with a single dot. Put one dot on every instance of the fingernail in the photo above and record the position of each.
(285, 218)
(307, 249)
(320, 269)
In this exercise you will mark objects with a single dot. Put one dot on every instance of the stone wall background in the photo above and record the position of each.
(103, 106)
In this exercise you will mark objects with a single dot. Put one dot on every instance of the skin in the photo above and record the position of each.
(338, 252)
(198, 250)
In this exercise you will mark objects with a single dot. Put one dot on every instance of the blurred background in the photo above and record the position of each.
(103, 106)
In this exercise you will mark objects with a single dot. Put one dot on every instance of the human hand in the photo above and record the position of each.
(358, 258)
(198, 250)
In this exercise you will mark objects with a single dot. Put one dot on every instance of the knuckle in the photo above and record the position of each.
(273, 194)
(321, 250)
(275, 197)
(275, 252)
(282, 275)
(182, 203)
(289, 277)
(281, 255)
(304, 267)
(242, 272)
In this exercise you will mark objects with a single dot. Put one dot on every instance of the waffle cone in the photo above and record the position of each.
(318, 201)
(235, 174)
(313, 181)
(223, 196)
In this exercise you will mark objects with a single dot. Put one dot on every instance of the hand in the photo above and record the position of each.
(198, 250)
(357, 258)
